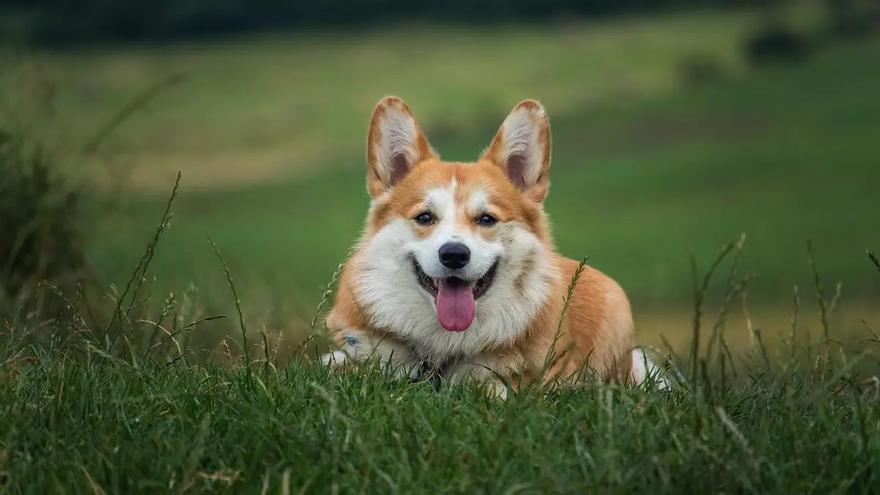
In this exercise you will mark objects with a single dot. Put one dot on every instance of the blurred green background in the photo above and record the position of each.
(676, 126)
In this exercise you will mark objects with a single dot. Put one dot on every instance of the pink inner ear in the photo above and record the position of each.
(399, 168)
(516, 171)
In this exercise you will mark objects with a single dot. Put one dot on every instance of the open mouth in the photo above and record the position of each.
(454, 298)
(431, 284)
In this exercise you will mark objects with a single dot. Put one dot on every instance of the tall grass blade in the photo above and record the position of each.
(140, 270)
(874, 259)
(127, 110)
(700, 289)
(552, 354)
(820, 292)
(237, 301)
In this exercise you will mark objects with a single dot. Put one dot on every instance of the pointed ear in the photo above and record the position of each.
(522, 149)
(395, 144)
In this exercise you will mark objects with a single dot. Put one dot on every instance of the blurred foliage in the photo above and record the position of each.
(57, 21)
(853, 17)
(40, 218)
(700, 69)
(779, 37)
(776, 42)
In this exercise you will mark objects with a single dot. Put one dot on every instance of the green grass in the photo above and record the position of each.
(91, 406)
(85, 422)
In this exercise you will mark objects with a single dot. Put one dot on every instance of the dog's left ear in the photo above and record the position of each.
(522, 149)
(395, 144)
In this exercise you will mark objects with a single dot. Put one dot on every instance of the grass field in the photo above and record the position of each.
(83, 415)
(100, 427)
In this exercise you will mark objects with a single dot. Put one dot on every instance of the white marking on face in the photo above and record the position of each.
(387, 288)
(478, 202)
(441, 202)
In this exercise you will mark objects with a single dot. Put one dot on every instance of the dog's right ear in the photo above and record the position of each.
(395, 144)
(521, 149)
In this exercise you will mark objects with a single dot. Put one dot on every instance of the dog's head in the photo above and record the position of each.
(455, 242)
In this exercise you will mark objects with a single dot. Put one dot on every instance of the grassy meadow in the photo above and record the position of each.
(104, 427)
(152, 383)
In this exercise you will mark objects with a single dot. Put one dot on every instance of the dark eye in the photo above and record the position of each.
(486, 220)
(424, 218)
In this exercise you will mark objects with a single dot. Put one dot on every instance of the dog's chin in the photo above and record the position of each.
(431, 284)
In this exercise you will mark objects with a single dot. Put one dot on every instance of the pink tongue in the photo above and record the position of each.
(455, 304)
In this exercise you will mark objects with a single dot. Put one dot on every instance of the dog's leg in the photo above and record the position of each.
(644, 369)
(489, 369)
(362, 345)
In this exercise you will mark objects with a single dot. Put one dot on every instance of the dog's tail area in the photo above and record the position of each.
(645, 371)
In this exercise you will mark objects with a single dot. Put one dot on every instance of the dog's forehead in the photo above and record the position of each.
(465, 184)
(455, 188)
(452, 196)
(460, 191)
(441, 197)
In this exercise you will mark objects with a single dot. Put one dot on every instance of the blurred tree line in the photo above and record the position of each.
(63, 21)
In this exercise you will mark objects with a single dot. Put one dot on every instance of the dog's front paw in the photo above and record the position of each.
(479, 370)
(334, 359)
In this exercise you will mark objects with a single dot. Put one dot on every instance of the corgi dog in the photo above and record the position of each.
(456, 271)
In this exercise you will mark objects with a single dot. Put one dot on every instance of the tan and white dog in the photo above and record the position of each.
(456, 269)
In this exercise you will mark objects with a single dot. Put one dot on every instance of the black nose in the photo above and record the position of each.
(454, 255)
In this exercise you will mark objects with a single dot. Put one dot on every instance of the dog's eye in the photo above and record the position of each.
(486, 220)
(424, 218)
